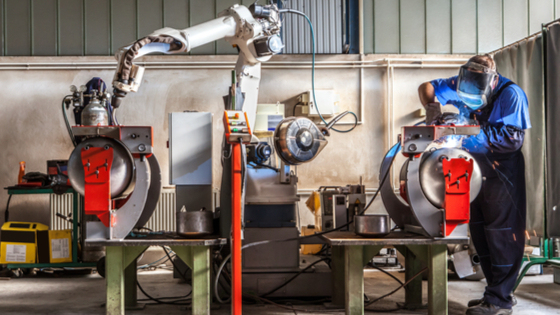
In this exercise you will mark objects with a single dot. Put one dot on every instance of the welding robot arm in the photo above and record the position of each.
(254, 31)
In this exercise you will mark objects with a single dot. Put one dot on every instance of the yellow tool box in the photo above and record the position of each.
(19, 242)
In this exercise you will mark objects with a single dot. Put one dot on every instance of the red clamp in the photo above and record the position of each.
(97, 176)
(457, 173)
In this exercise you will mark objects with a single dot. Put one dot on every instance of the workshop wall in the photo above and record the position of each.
(33, 130)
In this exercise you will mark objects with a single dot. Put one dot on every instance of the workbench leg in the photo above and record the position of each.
(337, 264)
(114, 278)
(201, 297)
(437, 280)
(354, 279)
(413, 294)
(130, 291)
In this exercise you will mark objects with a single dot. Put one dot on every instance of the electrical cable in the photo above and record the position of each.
(159, 300)
(68, 128)
(294, 276)
(7, 212)
(313, 72)
(397, 289)
(387, 273)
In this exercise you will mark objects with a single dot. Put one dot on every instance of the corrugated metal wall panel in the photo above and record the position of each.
(386, 27)
(202, 11)
(413, 20)
(369, 47)
(438, 26)
(150, 16)
(223, 47)
(490, 25)
(124, 30)
(326, 16)
(71, 28)
(464, 26)
(540, 11)
(176, 13)
(97, 27)
(40, 27)
(515, 20)
(44, 27)
(18, 27)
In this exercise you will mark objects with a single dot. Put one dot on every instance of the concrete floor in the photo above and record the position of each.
(85, 294)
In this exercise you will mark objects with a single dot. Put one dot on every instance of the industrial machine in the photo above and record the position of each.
(113, 167)
(438, 181)
(339, 205)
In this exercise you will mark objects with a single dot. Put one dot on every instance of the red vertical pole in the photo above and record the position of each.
(236, 228)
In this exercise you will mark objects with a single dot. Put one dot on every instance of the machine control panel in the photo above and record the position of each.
(138, 139)
(236, 126)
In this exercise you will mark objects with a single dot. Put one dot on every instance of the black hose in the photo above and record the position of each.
(70, 133)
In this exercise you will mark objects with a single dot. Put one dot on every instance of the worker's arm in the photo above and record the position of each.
(507, 134)
(427, 93)
(496, 138)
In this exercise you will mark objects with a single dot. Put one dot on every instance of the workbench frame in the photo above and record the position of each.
(350, 253)
(121, 273)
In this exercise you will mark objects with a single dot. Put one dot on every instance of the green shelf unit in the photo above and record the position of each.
(75, 263)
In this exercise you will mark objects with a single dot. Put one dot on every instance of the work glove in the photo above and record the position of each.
(448, 118)
(433, 110)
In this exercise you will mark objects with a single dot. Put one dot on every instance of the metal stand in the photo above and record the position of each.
(236, 229)
(351, 253)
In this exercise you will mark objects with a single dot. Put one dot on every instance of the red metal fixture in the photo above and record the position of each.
(97, 175)
(457, 174)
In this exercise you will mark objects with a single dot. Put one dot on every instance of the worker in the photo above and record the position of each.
(498, 214)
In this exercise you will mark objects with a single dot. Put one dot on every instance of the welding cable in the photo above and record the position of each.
(7, 212)
(70, 133)
(313, 72)
(390, 275)
(294, 276)
(392, 292)
(159, 300)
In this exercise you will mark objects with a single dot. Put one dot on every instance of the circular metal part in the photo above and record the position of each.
(122, 169)
(372, 225)
(195, 223)
(432, 180)
(298, 140)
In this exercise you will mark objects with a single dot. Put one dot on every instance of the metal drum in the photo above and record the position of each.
(195, 223)
(431, 174)
(372, 225)
(298, 140)
(122, 170)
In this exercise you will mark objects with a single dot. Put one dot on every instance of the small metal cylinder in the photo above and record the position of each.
(195, 223)
(372, 225)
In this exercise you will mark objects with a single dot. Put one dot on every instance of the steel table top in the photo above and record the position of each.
(394, 238)
(146, 241)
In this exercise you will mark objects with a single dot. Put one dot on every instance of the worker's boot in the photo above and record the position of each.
(476, 302)
(488, 309)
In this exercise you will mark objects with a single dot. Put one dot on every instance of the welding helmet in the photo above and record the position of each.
(474, 84)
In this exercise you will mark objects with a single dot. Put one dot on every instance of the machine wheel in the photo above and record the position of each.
(101, 266)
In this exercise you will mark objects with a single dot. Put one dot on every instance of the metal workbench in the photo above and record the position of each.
(120, 270)
(350, 253)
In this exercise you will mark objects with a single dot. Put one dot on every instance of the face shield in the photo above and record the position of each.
(474, 84)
